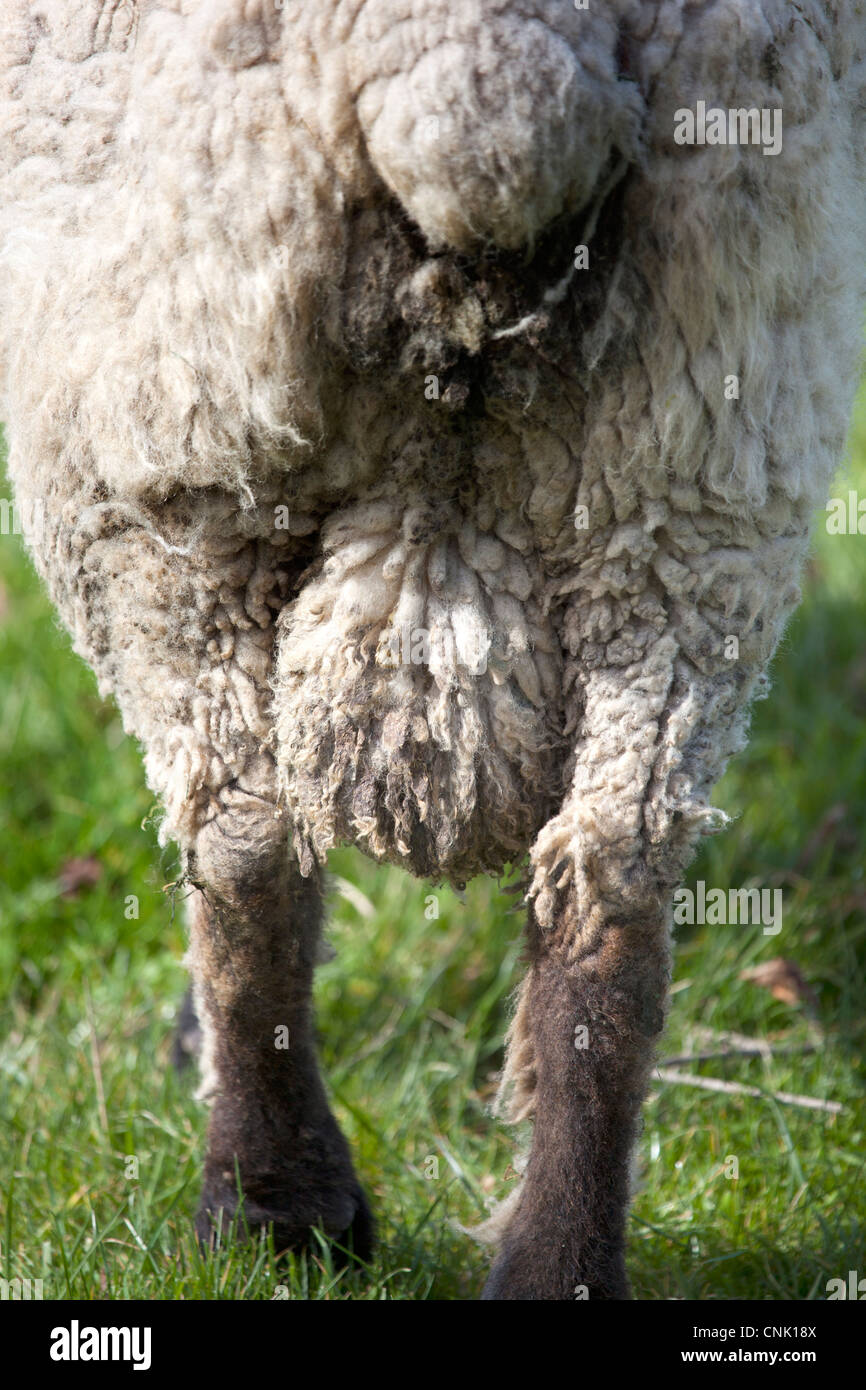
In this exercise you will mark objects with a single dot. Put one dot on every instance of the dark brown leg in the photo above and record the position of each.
(566, 1237)
(254, 933)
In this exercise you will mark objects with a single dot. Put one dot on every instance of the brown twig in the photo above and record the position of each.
(758, 1049)
(736, 1088)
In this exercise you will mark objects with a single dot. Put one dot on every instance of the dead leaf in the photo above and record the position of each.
(77, 874)
(785, 981)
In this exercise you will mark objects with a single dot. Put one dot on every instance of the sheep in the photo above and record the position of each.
(424, 407)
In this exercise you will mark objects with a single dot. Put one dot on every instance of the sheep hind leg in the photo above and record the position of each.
(583, 1042)
(254, 933)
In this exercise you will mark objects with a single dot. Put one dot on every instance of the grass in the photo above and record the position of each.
(101, 1143)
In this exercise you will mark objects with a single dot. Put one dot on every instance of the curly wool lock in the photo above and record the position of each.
(321, 261)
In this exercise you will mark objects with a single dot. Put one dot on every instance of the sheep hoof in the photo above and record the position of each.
(518, 1279)
(348, 1215)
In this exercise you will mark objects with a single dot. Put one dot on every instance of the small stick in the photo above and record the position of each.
(722, 1038)
(736, 1088)
(757, 1050)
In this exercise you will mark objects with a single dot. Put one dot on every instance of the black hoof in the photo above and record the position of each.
(353, 1241)
(525, 1276)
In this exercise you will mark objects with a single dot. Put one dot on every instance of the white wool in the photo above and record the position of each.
(319, 261)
